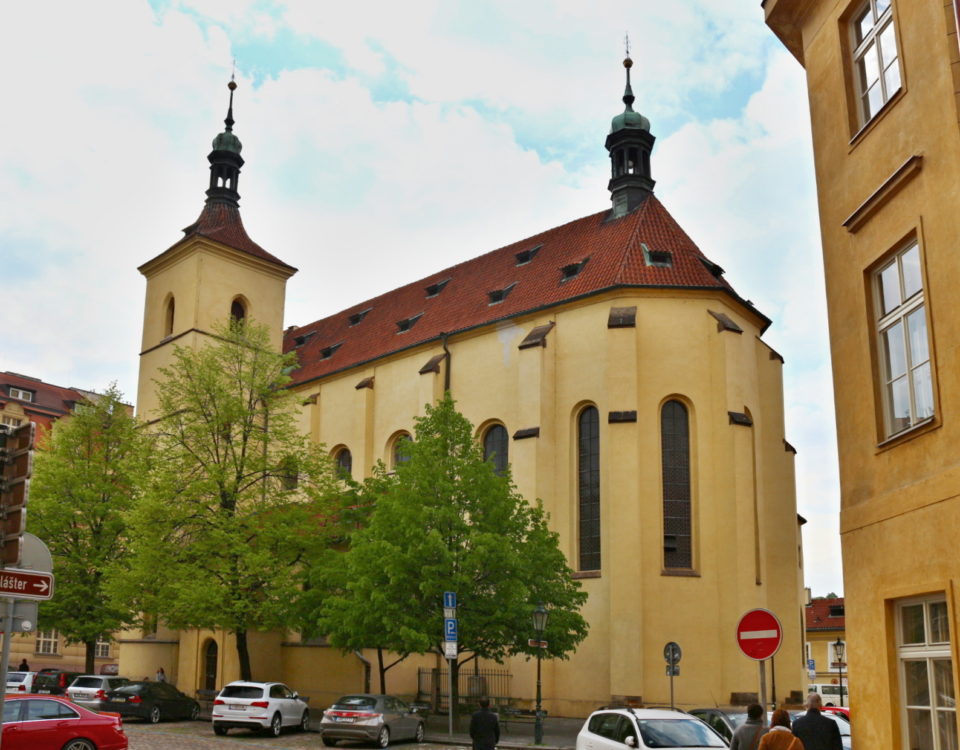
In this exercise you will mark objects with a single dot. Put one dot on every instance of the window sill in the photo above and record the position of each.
(581, 574)
(871, 123)
(680, 572)
(920, 428)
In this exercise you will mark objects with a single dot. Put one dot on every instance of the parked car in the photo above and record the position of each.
(20, 682)
(371, 718)
(153, 701)
(724, 721)
(32, 722)
(53, 681)
(90, 690)
(617, 728)
(263, 706)
(842, 710)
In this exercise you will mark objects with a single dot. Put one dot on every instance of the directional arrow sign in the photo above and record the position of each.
(25, 584)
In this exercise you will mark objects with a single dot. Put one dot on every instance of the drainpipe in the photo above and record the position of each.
(446, 369)
(366, 671)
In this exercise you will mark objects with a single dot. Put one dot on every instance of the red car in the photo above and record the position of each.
(34, 722)
(844, 711)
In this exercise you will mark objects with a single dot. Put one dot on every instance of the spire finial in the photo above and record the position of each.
(628, 97)
(232, 86)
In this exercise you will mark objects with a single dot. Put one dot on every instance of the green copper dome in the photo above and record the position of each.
(227, 141)
(629, 119)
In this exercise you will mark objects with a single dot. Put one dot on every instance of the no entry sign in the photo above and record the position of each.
(759, 634)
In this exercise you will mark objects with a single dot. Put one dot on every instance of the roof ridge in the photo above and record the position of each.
(633, 240)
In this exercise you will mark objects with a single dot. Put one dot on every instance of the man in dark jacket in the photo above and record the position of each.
(484, 727)
(816, 731)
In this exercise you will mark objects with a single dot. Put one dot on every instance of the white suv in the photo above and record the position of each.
(622, 728)
(269, 706)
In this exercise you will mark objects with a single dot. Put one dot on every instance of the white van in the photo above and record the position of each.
(830, 693)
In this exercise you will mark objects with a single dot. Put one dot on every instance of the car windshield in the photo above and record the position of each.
(87, 682)
(736, 718)
(678, 733)
(16, 676)
(356, 701)
(242, 691)
(131, 688)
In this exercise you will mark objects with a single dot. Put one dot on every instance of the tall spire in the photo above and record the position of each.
(629, 144)
(225, 160)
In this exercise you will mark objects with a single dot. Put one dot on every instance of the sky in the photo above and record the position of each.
(386, 141)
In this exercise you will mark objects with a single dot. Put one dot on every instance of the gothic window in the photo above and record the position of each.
(401, 449)
(168, 318)
(675, 454)
(496, 447)
(238, 310)
(344, 461)
(588, 487)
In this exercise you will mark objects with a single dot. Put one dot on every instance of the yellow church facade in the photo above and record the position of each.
(614, 367)
(884, 92)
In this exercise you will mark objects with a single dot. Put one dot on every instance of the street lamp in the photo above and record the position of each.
(540, 617)
(838, 648)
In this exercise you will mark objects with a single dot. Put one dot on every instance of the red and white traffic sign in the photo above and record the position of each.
(759, 634)
(25, 584)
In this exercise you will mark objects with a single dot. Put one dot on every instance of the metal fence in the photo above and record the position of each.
(433, 687)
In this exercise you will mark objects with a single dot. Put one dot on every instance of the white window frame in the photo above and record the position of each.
(11, 421)
(101, 649)
(872, 56)
(919, 399)
(21, 394)
(929, 651)
(48, 642)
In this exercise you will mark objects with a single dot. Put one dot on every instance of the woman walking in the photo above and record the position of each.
(780, 737)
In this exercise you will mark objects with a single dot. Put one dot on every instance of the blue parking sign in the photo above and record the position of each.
(450, 629)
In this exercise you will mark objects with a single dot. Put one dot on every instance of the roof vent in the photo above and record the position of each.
(525, 256)
(358, 316)
(656, 258)
(405, 325)
(328, 351)
(434, 289)
(571, 270)
(499, 295)
(302, 339)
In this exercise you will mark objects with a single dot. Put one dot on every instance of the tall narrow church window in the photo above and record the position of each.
(238, 311)
(588, 487)
(495, 448)
(344, 461)
(401, 450)
(675, 448)
(168, 318)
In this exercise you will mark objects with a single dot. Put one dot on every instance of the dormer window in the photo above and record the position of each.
(358, 316)
(327, 351)
(572, 270)
(20, 394)
(434, 289)
(657, 258)
(405, 325)
(525, 256)
(302, 339)
(499, 295)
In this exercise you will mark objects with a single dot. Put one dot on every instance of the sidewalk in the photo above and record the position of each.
(558, 733)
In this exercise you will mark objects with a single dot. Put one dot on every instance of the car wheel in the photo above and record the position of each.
(219, 731)
(383, 738)
(79, 745)
(418, 735)
(276, 725)
(155, 715)
(328, 741)
(305, 722)
(195, 713)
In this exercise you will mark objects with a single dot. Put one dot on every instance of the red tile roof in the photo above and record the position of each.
(818, 615)
(611, 253)
(221, 222)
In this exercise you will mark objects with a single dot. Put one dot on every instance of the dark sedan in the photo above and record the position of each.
(153, 701)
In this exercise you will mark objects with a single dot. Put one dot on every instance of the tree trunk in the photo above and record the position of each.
(383, 672)
(90, 648)
(243, 655)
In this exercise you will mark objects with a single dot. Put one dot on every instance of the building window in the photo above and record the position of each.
(238, 311)
(168, 318)
(675, 462)
(48, 642)
(926, 674)
(101, 649)
(20, 394)
(10, 421)
(874, 57)
(588, 487)
(906, 378)
(495, 448)
(401, 450)
(344, 462)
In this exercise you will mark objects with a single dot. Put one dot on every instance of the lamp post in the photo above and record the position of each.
(838, 650)
(540, 617)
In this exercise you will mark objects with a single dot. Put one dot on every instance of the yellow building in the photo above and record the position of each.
(826, 648)
(613, 365)
(883, 81)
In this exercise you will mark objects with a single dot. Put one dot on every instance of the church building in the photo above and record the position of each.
(614, 367)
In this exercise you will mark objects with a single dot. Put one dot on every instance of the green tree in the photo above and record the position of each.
(88, 474)
(237, 494)
(446, 521)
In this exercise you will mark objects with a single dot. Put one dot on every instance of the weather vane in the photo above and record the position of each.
(233, 68)
(626, 43)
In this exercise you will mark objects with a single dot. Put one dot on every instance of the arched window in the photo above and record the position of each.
(496, 445)
(210, 666)
(401, 449)
(238, 310)
(588, 487)
(344, 461)
(168, 318)
(675, 450)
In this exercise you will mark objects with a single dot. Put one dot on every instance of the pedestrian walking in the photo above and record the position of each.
(161, 675)
(780, 737)
(747, 735)
(24, 667)
(816, 731)
(484, 727)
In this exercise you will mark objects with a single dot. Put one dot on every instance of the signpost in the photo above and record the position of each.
(672, 654)
(450, 632)
(759, 636)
